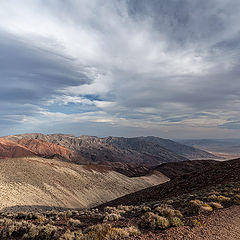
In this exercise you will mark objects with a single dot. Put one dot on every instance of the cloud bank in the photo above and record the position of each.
(131, 67)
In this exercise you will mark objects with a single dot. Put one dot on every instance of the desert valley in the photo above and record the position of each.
(67, 187)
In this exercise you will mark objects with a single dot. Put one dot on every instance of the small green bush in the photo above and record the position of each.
(153, 221)
(176, 222)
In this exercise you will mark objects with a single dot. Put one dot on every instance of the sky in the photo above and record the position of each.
(169, 68)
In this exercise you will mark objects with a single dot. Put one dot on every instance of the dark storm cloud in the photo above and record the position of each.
(31, 75)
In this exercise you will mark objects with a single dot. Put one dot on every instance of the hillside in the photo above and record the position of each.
(176, 169)
(38, 181)
(189, 152)
(9, 149)
(48, 149)
(219, 173)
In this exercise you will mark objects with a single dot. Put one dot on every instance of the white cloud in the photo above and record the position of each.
(152, 66)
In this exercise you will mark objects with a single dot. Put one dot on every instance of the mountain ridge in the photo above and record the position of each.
(150, 151)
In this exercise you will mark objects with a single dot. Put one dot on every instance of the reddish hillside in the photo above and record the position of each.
(219, 173)
(48, 149)
(9, 149)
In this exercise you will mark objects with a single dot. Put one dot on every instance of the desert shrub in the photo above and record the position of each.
(205, 208)
(178, 214)
(215, 205)
(197, 206)
(12, 228)
(42, 219)
(75, 213)
(196, 222)
(168, 212)
(236, 199)
(219, 198)
(27, 215)
(65, 214)
(145, 209)
(132, 231)
(165, 211)
(74, 222)
(125, 208)
(176, 222)
(214, 193)
(106, 231)
(111, 210)
(153, 221)
(68, 235)
(169, 201)
(41, 232)
(194, 206)
(111, 217)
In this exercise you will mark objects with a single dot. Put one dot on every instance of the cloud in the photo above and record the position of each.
(124, 67)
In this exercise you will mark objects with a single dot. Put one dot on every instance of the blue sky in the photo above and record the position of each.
(128, 68)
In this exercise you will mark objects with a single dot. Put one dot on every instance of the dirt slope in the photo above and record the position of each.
(219, 173)
(38, 181)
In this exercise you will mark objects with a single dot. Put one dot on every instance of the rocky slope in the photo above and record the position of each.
(36, 181)
(187, 151)
(177, 169)
(219, 173)
(10, 149)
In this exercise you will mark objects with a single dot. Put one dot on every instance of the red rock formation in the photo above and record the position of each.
(9, 149)
(47, 149)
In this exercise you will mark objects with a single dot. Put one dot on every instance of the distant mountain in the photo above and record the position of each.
(132, 151)
(178, 148)
(123, 154)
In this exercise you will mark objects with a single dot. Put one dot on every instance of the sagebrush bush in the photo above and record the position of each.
(74, 222)
(107, 232)
(205, 208)
(167, 211)
(11, 228)
(41, 232)
(153, 221)
(219, 198)
(68, 235)
(176, 222)
(215, 205)
(111, 217)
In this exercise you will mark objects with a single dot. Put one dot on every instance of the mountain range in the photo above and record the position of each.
(147, 151)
